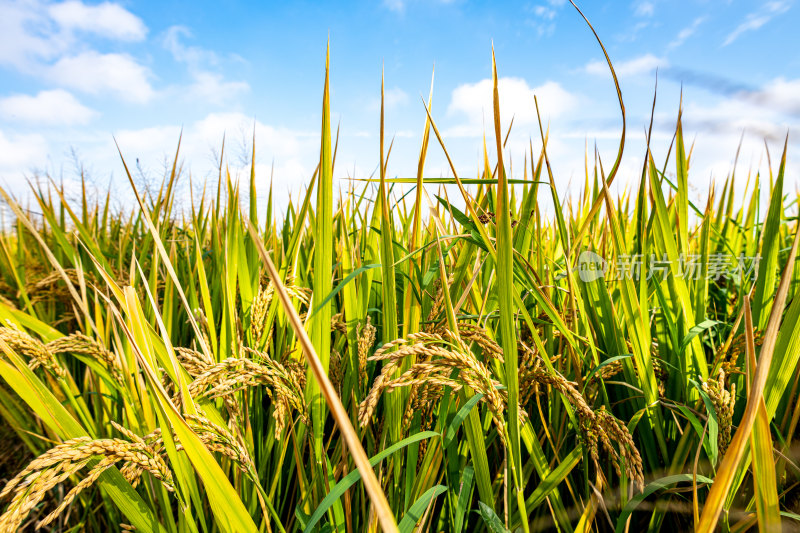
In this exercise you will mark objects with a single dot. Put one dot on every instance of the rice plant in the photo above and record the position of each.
(406, 363)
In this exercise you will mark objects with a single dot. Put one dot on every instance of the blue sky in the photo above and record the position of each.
(75, 74)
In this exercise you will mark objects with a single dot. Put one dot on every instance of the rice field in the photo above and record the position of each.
(383, 362)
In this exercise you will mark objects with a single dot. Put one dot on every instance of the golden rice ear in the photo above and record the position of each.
(226, 379)
(78, 343)
(55, 466)
(37, 353)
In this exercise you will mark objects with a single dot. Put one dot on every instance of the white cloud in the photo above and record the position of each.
(394, 5)
(633, 67)
(268, 138)
(685, 33)
(633, 33)
(47, 107)
(643, 8)
(96, 73)
(202, 140)
(42, 39)
(780, 94)
(35, 31)
(731, 116)
(544, 15)
(545, 12)
(213, 88)
(147, 141)
(207, 86)
(194, 56)
(152, 149)
(106, 19)
(757, 19)
(18, 44)
(18, 153)
(399, 6)
(393, 98)
(763, 115)
(474, 102)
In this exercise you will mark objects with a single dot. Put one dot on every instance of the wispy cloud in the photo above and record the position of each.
(213, 88)
(779, 95)
(545, 12)
(393, 98)
(644, 8)
(194, 56)
(632, 67)
(543, 17)
(710, 82)
(394, 5)
(399, 6)
(633, 33)
(757, 19)
(733, 116)
(685, 33)
(208, 85)
(766, 111)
